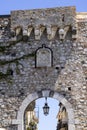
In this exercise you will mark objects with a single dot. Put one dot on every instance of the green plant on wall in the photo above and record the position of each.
(17, 59)
(9, 72)
(32, 126)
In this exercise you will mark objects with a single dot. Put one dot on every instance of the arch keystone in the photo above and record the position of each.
(45, 93)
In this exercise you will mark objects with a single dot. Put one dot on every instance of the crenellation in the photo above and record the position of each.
(43, 51)
(34, 18)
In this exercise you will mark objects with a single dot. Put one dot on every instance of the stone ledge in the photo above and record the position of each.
(16, 122)
(82, 16)
(71, 127)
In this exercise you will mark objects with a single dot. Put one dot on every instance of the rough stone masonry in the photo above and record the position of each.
(43, 49)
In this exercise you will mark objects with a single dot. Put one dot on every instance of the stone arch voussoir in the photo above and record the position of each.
(44, 93)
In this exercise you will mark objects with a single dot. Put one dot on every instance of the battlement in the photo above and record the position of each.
(51, 19)
(21, 24)
(62, 16)
(43, 53)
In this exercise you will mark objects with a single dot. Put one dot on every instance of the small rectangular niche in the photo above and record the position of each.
(44, 57)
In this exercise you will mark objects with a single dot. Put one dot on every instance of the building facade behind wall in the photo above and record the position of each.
(43, 49)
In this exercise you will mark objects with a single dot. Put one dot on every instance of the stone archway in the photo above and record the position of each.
(44, 93)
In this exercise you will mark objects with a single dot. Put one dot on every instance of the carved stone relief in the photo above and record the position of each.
(44, 57)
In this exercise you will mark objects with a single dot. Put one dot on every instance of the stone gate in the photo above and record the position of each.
(43, 53)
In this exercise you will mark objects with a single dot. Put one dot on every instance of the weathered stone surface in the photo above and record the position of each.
(67, 75)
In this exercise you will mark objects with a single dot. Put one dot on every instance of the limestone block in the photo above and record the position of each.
(66, 30)
(39, 31)
(0, 36)
(51, 31)
(71, 127)
(6, 22)
(37, 34)
(61, 34)
(17, 31)
(37, 37)
(2, 129)
(66, 104)
(71, 115)
(74, 37)
(45, 93)
(62, 129)
(13, 39)
(25, 33)
(76, 121)
(54, 30)
(14, 121)
(58, 96)
(42, 28)
(30, 30)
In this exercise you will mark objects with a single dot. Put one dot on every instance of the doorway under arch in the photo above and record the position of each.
(44, 93)
(44, 113)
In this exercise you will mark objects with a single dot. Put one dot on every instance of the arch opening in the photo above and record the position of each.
(44, 93)
(45, 113)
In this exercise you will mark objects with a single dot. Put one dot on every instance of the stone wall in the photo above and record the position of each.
(67, 75)
(4, 27)
(53, 16)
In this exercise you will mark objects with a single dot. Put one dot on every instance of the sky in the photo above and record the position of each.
(6, 6)
(48, 122)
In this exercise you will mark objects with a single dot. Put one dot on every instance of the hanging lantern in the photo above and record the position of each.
(46, 108)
